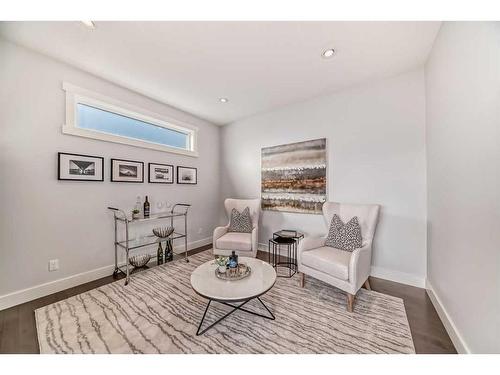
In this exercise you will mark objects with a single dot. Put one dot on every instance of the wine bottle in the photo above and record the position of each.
(146, 207)
(169, 254)
(159, 254)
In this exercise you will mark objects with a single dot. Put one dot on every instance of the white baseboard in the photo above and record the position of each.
(265, 248)
(41, 290)
(383, 273)
(179, 248)
(398, 276)
(262, 247)
(450, 327)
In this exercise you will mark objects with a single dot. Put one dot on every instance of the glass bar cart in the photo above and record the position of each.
(179, 210)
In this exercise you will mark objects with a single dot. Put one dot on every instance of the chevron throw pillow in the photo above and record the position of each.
(240, 221)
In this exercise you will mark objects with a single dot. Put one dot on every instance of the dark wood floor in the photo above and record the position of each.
(18, 330)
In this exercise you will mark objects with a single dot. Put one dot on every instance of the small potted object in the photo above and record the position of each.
(136, 213)
(242, 268)
(221, 262)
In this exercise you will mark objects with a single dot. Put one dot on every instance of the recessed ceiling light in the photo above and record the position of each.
(328, 53)
(223, 100)
(89, 24)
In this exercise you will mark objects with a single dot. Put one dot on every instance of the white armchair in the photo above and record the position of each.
(244, 244)
(345, 270)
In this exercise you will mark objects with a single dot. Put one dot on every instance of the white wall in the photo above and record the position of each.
(43, 218)
(463, 167)
(376, 142)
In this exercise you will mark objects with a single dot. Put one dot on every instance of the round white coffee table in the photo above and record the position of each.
(234, 293)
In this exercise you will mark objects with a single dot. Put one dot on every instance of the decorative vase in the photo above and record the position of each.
(139, 261)
(222, 269)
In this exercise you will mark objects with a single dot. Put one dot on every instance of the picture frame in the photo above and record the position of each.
(187, 175)
(160, 173)
(123, 170)
(79, 167)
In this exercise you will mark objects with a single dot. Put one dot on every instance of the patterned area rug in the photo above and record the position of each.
(158, 312)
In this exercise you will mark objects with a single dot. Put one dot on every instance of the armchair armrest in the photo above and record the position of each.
(255, 237)
(309, 243)
(218, 233)
(359, 265)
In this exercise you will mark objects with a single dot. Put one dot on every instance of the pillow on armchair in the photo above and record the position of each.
(344, 236)
(240, 222)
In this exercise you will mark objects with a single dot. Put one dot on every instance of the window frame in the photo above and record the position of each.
(76, 95)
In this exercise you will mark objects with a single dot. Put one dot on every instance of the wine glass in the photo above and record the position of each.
(159, 205)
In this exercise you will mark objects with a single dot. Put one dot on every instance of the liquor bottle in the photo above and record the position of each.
(233, 260)
(146, 207)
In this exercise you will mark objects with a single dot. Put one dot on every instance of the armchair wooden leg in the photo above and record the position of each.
(302, 279)
(350, 302)
(367, 284)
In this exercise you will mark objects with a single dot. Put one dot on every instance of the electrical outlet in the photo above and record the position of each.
(200, 230)
(53, 265)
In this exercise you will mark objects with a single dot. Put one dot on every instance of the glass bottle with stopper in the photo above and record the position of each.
(136, 212)
(138, 204)
(233, 260)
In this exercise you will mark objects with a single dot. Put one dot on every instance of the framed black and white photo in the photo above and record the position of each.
(77, 167)
(127, 170)
(187, 175)
(161, 173)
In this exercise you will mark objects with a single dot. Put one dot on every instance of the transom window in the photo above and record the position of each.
(92, 115)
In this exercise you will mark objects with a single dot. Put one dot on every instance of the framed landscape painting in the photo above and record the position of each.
(161, 173)
(79, 167)
(127, 170)
(187, 175)
(293, 177)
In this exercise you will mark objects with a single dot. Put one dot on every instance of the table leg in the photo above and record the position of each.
(235, 308)
(186, 238)
(127, 274)
(289, 253)
(295, 255)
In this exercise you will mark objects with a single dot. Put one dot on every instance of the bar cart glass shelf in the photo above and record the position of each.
(179, 210)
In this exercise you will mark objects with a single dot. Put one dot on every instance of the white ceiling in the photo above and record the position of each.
(257, 65)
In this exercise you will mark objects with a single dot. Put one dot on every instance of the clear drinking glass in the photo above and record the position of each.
(159, 206)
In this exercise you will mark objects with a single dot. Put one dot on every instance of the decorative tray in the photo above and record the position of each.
(242, 271)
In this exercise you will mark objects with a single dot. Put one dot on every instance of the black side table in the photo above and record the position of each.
(290, 240)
